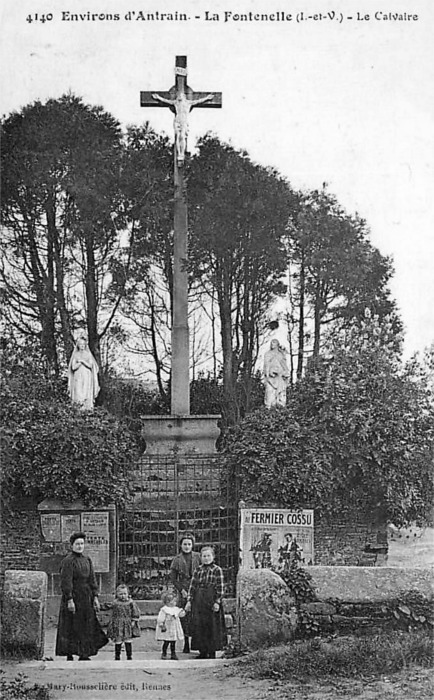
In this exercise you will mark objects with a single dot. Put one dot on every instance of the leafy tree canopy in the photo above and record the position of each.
(358, 426)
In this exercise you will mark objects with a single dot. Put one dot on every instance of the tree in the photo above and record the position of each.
(147, 279)
(359, 426)
(238, 219)
(336, 271)
(62, 215)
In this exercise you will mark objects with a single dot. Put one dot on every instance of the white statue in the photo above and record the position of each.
(276, 375)
(83, 385)
(182, 107)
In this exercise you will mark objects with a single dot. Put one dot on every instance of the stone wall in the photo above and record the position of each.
(356, 599)
(353, 537)
(20, 539)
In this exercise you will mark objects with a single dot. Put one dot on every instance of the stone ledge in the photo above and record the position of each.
(358, 584)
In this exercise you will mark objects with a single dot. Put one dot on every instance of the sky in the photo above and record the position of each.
(338, 92)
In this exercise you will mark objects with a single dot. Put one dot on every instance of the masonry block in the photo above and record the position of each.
(24, 605)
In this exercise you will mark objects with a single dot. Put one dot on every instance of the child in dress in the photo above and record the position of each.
(119, 629)
(169, 629)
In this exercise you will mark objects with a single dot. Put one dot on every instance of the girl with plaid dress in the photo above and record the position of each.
(205, 602)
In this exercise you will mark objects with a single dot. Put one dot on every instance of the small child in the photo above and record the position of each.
(169, 629)
(119, 629)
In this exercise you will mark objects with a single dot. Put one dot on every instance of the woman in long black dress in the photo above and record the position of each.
(205, 600)
(78, 631)
(181, 571)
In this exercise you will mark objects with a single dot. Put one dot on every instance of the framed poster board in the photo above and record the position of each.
(271, 536)
(96, 527)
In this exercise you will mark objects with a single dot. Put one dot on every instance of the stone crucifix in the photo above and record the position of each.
(180, 99)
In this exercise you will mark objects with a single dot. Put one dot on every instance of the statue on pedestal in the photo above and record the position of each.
(83, 385)
(276, 375)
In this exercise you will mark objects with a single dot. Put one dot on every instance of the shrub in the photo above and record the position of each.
(345, 657)
(51, 449)
(17, 689)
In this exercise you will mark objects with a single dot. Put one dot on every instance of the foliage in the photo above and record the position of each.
(207, 396)
(358, 426)
(279, 459)
(130, 400)
(352, 657)
(62, 214)
(239, 215)
(335, 271)
(146, 277)
(17, 688)
(299, 582)
(84, 210)
(51, 449)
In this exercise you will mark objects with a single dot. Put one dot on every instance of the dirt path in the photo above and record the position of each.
(211, 683)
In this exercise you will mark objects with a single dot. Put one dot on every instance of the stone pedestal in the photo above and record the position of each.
(182, 435)
(23, 624)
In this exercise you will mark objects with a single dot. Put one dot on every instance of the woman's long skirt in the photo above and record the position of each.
(80, 632)
(207, 627)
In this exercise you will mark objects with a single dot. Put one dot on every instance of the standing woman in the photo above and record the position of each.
(78, 631)
(181, 572)
(205, 602)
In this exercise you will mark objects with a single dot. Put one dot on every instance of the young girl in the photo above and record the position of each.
(205, 601)
(119, 629)
(169, 629)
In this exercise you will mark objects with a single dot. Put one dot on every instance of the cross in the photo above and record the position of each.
(180, 99)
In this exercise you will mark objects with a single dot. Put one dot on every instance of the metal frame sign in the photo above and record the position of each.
(271, 536)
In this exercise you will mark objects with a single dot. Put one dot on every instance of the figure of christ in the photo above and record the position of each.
(182, 106)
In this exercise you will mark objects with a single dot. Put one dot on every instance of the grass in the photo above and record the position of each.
(351, 657)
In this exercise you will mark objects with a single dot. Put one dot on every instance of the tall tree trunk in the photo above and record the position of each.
(154, 343)
(317, 322)
(67, 336)
(300, 356)
(92, 299)
(43, 282)
(224, 301)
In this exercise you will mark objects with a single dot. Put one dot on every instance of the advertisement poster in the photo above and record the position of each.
(336, 96)
(50, 526)
(271, 537)
(96, 528)
(70, 524)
